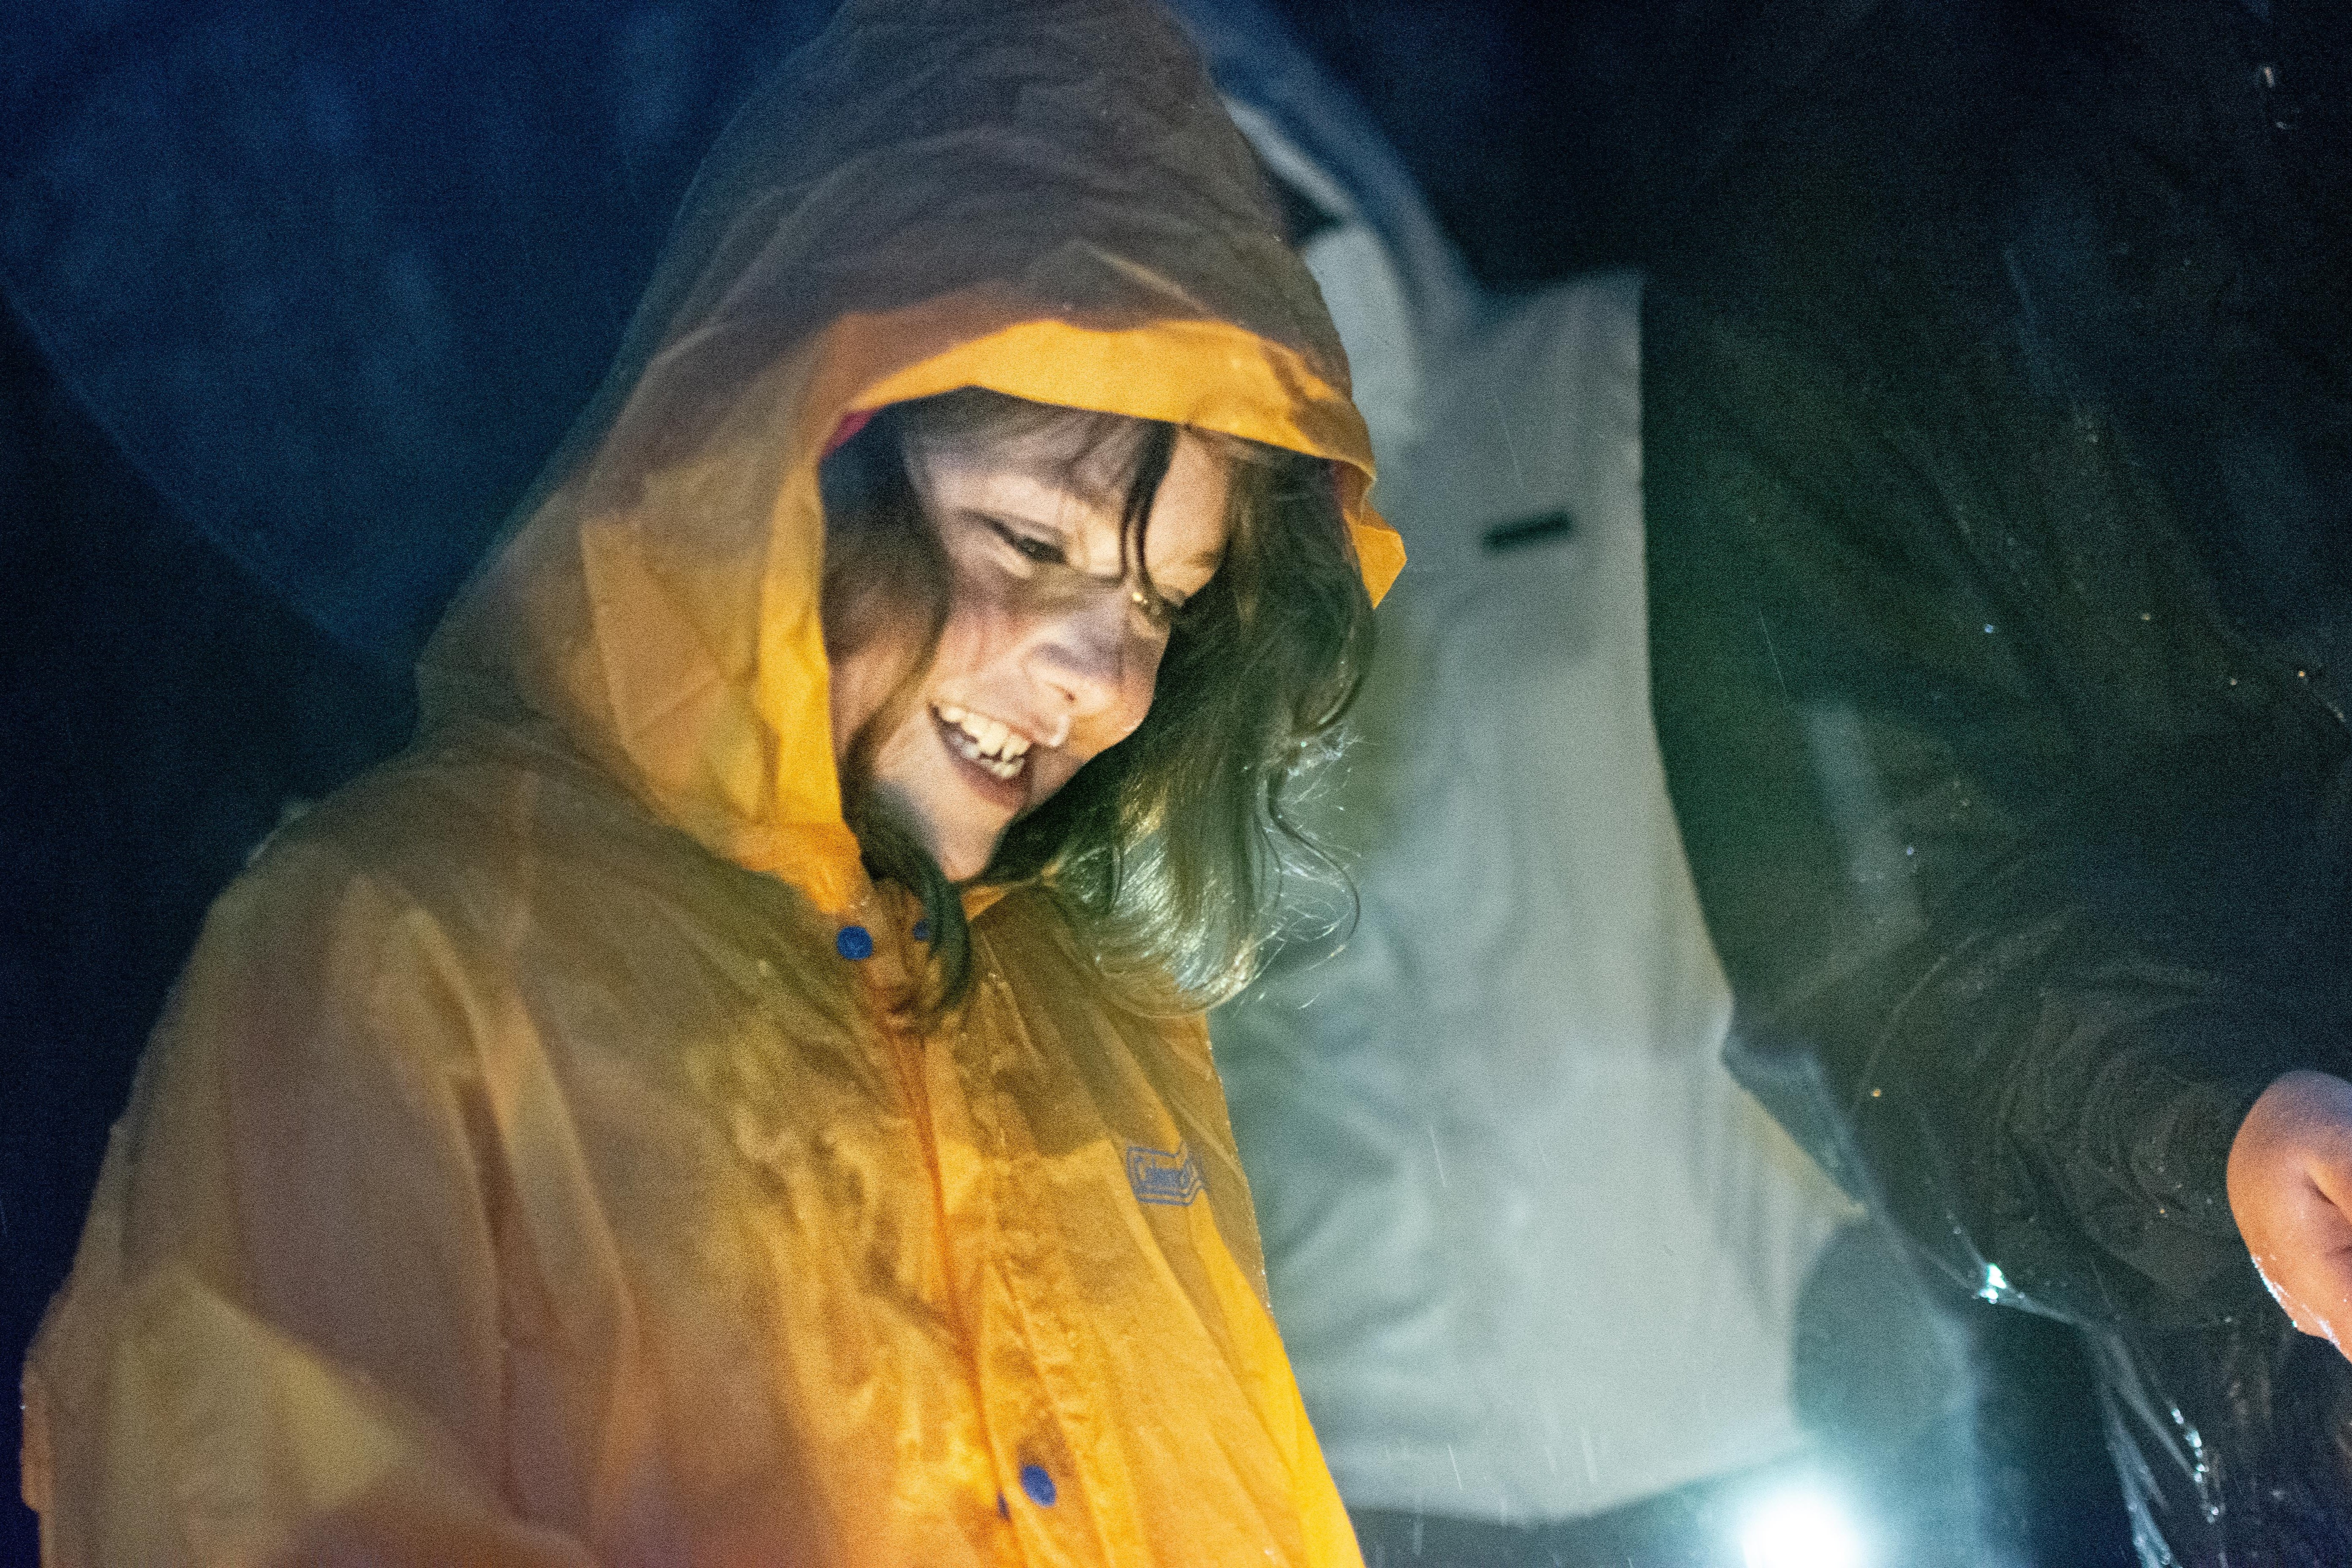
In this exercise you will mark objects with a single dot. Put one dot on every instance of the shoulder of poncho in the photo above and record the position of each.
(457, 829)
(1029, 944)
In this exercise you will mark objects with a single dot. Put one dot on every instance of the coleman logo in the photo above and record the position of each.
(1160, 1178)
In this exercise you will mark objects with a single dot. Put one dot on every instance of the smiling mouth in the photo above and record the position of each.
(985, 743)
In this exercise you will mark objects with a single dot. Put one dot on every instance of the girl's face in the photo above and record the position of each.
(1053, 638)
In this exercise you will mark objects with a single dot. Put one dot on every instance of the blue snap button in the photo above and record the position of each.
(922, 930)
(1003, 1512)
(1038, 1485)
(854, 943)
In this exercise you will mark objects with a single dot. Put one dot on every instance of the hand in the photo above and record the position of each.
(2291, 1190)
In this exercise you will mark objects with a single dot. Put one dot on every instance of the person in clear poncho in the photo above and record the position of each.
(732, 1092)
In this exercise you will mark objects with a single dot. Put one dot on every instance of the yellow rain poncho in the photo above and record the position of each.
(528, 1168)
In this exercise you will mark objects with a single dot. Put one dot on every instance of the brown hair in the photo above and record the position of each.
(1166, 853)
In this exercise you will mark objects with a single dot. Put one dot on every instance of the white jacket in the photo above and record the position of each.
(1533, 1252)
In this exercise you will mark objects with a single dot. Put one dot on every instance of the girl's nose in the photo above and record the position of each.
(1079, 654)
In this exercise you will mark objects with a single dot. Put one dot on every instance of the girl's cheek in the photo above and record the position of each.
(973, 633)
(1134, 706)
(1141, 680)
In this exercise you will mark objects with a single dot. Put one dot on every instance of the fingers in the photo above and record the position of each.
(2290, 1183)
(2304, 1256)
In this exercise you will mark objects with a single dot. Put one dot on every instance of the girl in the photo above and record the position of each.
(733, 1090)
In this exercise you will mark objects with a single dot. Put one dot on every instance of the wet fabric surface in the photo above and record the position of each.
(2235, 1441)
(538, 1161)
(2017, 813)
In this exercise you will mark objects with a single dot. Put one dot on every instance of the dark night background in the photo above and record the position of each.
(475, 195)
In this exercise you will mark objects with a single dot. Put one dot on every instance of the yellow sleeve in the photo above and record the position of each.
(282, 1340)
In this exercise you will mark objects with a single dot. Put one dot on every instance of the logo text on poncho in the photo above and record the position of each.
(1161, 1177)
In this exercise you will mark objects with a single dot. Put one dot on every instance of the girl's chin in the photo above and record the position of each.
(963, 855)
(942, 824)
(962, 869)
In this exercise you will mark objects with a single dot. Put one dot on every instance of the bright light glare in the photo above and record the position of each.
(1802, 1530)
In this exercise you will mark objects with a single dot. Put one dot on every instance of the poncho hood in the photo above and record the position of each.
(1043, 197)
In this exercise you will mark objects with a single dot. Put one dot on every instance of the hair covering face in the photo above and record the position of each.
(534, 1165)
(1043, 199)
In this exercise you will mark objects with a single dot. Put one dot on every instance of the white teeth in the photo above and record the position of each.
(991, 743)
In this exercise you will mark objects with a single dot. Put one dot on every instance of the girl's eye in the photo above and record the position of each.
(1043, 552)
